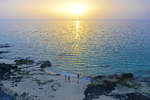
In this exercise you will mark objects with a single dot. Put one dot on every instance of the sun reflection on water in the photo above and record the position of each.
(77, 26)
(70, 39)
(91, 47)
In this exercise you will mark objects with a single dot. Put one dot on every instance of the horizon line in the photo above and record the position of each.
(72, 19)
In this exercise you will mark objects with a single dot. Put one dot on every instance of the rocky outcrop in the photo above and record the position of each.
(5, 45)
(106, 85)
(24, 62)
(1, 52)
(95, 90)
(6, 69)
(131, 96)
(45, 64)
(126, 76)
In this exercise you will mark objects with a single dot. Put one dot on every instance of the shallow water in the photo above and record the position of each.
(4, 96)
(87, 47)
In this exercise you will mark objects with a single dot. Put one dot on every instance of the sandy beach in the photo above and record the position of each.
(37, 84)
(74, 49)
(26, 79)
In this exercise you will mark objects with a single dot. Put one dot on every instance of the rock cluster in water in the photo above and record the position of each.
(119, 87)
(6, 70)
(45, 64)
(5, 45)
(24, 62)
(1, 52)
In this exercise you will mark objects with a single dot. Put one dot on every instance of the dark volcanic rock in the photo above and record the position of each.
(24, 62)
(132, 96)
(103, 85)
(5, 45)
(1, 52)
(97, 77)
(6, 68)
(126, 76)
(93, 91)
(45, 64)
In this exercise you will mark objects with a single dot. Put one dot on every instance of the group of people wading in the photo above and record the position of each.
(68, 77)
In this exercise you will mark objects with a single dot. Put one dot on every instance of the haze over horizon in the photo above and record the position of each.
(75, 9)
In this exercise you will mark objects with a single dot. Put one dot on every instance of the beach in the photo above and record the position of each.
(74, 49)
(33, 82)
(39, 85)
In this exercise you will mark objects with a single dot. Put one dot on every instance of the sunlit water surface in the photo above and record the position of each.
(86, 47)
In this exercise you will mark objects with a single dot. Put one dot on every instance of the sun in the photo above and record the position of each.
(76, 9)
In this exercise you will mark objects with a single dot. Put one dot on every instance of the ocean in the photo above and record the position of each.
(89, 47)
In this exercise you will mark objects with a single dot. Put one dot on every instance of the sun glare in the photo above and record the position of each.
(76, 9)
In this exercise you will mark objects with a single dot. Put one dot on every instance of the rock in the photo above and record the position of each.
(95, 90)
(132, 96)
(45, 64)
(24, 94)
(126, 76)
(97, 77)
(4, 45)
(1, 52)
(6, 61)
(103, 85)
(24, 62)
(6, 68)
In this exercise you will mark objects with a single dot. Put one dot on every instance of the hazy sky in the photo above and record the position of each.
(99, 9)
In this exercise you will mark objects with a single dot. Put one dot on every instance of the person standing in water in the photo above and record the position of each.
(78, 76)
(65, 77)
(69, 78)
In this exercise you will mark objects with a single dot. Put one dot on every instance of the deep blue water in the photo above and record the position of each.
(87, 47)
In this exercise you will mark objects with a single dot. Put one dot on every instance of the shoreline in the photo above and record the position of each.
(31, 80)
(32, 76)
(52, 71)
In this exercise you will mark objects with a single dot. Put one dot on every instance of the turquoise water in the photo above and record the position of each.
(87, 47)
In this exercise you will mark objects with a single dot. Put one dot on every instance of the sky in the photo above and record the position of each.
(71, 9)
